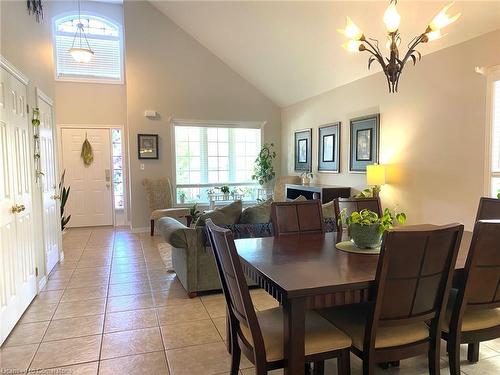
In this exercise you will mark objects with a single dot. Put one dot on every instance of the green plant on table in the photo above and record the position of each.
(182, 195)
(366, 217)
(263, 168)
(224, 189)
(194, 212)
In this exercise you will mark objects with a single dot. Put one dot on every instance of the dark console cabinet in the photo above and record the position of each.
(325, 193)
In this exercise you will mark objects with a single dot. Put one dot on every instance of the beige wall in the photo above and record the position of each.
(168, 71)
(432, 131)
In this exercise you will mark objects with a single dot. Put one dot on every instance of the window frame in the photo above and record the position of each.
(493, 76)
(206, 123)
(84, 79)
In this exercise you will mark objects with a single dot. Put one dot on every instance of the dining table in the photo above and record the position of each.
(307, 271)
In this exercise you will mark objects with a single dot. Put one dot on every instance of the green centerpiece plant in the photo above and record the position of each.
(263, 168)
(367, 227)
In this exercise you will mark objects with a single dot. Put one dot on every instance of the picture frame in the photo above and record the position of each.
(364, 142)
(303, 150)
(147, 146)
(329, 148)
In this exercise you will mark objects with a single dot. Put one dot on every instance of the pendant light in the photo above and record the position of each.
(80, 50)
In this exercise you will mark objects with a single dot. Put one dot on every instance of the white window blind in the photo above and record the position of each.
(104, 39)
(207, 157)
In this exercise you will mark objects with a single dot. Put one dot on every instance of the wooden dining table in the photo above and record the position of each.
(306, 272)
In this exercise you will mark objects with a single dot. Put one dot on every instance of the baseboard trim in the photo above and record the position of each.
(42, 283)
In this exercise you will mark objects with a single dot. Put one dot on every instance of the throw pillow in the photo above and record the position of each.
(229, 214)
(328, 210)
(260, 213)
(300, 198)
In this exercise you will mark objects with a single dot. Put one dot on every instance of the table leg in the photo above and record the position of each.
(293, 335)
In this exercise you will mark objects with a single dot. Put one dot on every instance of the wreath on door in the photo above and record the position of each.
(87, 153)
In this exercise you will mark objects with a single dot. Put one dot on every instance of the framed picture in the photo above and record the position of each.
(303, 147)
(147, 146)
(329, 148)
(364, 142)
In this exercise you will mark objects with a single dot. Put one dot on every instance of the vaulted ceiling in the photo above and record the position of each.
(291, 51)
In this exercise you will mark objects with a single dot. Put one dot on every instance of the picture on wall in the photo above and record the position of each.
(147, 146)
(303, 148)
(329, 148)
(364, 142)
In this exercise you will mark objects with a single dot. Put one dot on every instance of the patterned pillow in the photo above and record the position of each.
(229, 214)
(260, 213)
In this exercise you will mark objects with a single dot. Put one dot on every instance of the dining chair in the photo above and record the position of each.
(473, 313)
(412, 284)
(355, 204)
(489, 209)
(159, 194)
(259, 334)
(297, 217)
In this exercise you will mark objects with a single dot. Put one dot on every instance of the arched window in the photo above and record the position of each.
(105, 39)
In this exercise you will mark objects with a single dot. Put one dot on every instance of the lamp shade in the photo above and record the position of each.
(375, 174)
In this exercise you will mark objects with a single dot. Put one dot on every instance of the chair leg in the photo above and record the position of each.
(433, 357)
(319, 368)
(235, 357)
(473, 352)
(152, 227)
(344, 363)
(454, 356)
(368, 366)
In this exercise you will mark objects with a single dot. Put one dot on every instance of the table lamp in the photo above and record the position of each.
(375, 176)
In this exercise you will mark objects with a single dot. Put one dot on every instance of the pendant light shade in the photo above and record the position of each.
(80, 49)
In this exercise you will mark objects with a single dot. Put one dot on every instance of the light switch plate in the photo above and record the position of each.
(142, 166)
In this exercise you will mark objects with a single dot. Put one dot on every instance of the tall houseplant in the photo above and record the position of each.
(263, 168)
(64, 194)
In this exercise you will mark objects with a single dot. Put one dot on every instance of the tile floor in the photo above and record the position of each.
(112, 308)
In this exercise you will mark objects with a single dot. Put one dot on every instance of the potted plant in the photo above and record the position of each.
(306, 177)
(194, 213)
(224, 189)
(263, 168)
(64, 194)
(182, 196)
(366, 227)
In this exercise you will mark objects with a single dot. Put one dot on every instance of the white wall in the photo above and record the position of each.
(432, 131)
(168, 71)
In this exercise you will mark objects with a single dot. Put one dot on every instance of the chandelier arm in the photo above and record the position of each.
(375, 53)
(411, 49)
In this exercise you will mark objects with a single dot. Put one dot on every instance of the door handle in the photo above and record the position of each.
(17, 208)
(108, 185)
(107, 173)
(56, 196)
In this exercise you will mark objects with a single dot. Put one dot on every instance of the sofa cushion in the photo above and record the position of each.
(260, 213)
(328, 210)
(229, 214)
(300, 198)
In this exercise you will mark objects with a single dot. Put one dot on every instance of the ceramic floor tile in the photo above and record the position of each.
(50, 297)
(129, 320)
(124, 343)
(80, 294)
(129, 277)
(16, 359)
(216, 307)
(489, 366)
(74, 327)
(172, 297)
(220, 324)
(29, 333)
(55, 285)
(38, 313)
(67, 352)
(83, 369)
(130, 302)
(80, 308)
(182, 313)
(126, 289)
(206, 359)
(198, 332)
(141, 364)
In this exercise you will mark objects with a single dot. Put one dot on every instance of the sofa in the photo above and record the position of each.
(192, 257)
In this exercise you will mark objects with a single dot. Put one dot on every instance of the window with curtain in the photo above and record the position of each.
(210, 156)
(495, 140)
(105, 39)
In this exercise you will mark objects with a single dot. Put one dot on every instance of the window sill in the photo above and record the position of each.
(89, 80)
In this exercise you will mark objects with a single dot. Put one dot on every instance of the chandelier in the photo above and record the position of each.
(82, 53)
(393, 65)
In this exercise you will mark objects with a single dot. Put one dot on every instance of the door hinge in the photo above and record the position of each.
(27, 108)
(36, 271)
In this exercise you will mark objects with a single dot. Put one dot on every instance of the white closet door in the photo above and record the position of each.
(49, 183)
(90, 202)
(17, 257)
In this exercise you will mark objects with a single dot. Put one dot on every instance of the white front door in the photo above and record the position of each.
(49, 183)
(90, 201)
(17, 255)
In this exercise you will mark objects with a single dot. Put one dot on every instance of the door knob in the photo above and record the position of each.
(108, 185)
(21, 208)
(56, 196)
(17, 208)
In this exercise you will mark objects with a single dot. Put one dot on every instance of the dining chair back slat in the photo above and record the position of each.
(414, 273)
(489, 209)
(305, 217)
